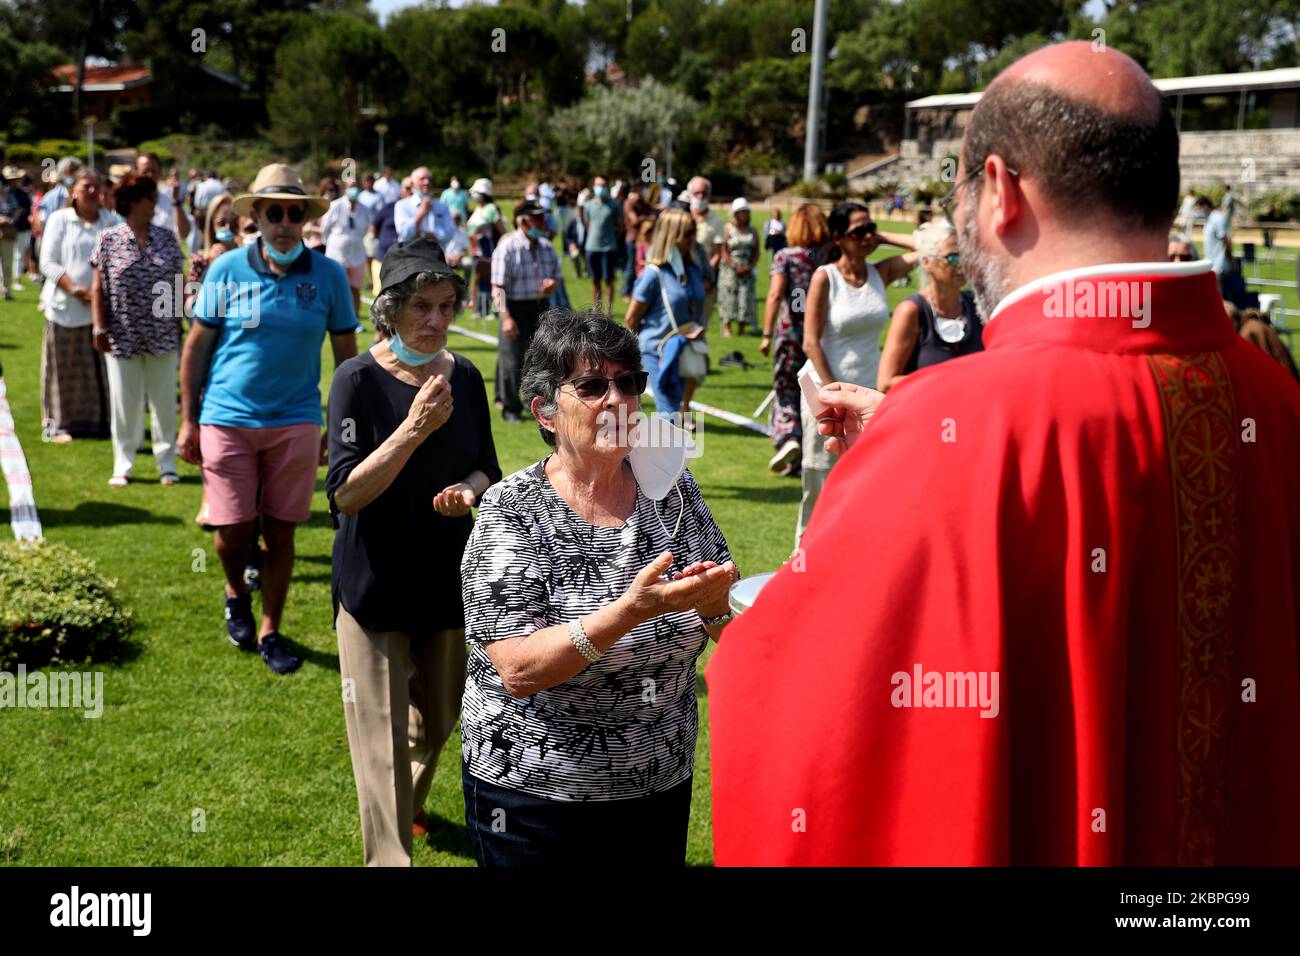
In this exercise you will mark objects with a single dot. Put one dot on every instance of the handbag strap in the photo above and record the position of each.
(663, 292)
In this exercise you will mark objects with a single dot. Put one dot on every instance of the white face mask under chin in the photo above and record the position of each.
(950, 330)
(658, 458)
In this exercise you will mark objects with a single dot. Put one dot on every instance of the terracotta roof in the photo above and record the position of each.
(104, 77)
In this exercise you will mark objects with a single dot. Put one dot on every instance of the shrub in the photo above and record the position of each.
(1276, 206)
(166, 157)
(837, 185)
(934, 189)
(22, 153)
(809, 189)
(56, 608)
(58, 148)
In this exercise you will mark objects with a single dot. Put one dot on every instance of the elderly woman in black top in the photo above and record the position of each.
(410, 452)
(938, 323)
(593, 582)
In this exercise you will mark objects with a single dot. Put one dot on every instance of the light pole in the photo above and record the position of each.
(381, 129)
(811, 135)
(89, 123)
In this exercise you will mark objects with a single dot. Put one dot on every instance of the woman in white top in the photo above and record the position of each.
(74, 390)
(343, 228)
(844, 318)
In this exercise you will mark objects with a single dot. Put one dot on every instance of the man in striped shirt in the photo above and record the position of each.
(525, 270)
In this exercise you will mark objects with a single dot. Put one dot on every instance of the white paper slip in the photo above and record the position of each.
(810, 385)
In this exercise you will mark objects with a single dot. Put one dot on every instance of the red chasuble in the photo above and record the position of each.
(1046, 611)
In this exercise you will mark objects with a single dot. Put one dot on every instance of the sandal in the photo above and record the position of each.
(169, 478)
(119, 481)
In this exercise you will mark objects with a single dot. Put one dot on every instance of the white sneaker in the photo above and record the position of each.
(17, 287)
(786, 456)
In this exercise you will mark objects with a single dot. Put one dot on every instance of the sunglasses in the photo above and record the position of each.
(276, 213)
(862, 232)
(952, 258)
(630, 384)
(1180, 257)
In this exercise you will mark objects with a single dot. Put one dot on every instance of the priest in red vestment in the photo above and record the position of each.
(1046, 609)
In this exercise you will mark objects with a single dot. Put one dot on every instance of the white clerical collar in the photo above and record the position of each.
(1106, 269)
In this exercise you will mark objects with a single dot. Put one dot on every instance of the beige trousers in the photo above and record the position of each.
(815, 466)
(401, 698)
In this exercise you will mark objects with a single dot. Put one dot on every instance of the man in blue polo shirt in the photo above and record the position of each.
(250, 395)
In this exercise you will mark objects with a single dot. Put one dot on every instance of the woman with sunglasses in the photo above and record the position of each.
(844, 317)
(410, 453)
(938, 323)
(589, 597)
(219, 236)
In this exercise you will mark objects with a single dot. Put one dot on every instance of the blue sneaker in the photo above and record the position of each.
(240, 627)
(276, 654)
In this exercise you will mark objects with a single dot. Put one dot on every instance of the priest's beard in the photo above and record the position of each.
(987, 273)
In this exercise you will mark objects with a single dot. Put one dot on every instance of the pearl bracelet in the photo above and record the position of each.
(578, 635)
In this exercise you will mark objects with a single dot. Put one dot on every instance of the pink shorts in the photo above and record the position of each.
(281, 461)
(356, 276)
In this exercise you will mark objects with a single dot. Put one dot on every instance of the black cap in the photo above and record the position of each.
(405, 259)
(529, 208)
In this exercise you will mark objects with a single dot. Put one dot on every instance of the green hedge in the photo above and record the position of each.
(52, 148)
(56, 608)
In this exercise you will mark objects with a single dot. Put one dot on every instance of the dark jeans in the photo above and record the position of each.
(509, 828)
(629, 275)
(510, 352)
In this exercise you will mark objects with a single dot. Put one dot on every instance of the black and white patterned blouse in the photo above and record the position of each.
(131, 276)
(625, 726)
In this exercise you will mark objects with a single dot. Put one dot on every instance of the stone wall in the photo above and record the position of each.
(1254, 161)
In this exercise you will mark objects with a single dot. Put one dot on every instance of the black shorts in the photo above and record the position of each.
(603, 265)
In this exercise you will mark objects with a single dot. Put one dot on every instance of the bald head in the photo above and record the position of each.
(1088, 130)
(1103, 78)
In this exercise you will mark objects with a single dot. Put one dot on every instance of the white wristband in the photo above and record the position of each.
(580, 640)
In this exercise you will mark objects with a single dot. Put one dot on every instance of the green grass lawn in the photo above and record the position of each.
(191, 724)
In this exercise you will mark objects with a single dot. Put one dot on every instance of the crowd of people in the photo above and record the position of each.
(563, 624)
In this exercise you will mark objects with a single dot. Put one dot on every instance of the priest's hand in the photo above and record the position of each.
(849, 409)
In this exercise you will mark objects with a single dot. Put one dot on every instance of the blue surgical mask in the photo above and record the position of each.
(225, 237)
(534, 233)
(601, 191)
(69, 180)
(353, 192)
(408, 355)
(283, 258)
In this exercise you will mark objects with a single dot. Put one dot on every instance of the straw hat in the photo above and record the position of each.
(278, 181)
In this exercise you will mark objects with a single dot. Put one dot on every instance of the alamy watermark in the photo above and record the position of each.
(78, 690)
(922, 688)
(1093, 299)
(214, 300)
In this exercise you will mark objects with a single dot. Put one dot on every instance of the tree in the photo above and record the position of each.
(1188, 37)
(625, 126)
(760, 108)
(327, 69)
(79, 28)
(28, 102)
